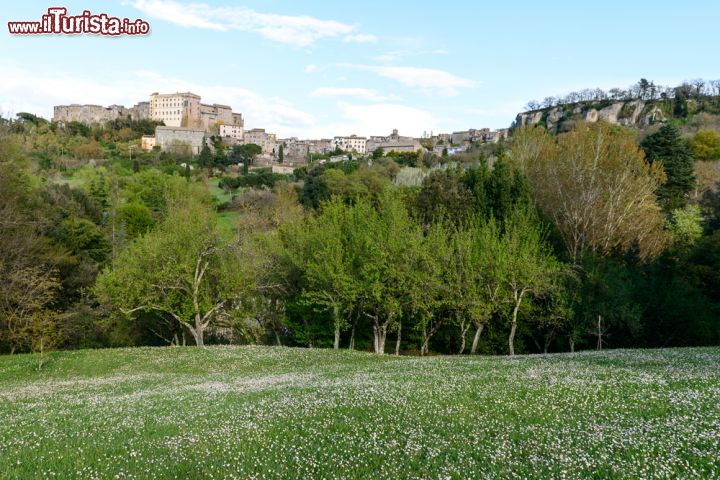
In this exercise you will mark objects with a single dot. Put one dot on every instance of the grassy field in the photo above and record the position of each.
(259, 412)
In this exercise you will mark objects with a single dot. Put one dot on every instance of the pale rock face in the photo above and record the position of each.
(610, 113)
(591, 116)
(632, 120)
(554, 116)
(633, 115)
(530, 118)
(654, 116)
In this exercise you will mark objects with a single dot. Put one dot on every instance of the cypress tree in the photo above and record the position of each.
(667, 146)
(205, 159)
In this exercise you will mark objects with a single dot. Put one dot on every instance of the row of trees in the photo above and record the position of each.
(643, 90)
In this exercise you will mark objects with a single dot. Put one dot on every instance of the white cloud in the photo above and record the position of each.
(427, 80)
(362, 93)
(311, 68)
(360, 38)
(37, 92)
(297, 30)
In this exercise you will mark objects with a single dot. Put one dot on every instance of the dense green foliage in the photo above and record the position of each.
(256, 179)
(535, 248)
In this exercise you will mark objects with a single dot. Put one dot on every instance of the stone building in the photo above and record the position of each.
(169, 138)
(147, 142)
(183, 109)
(393, 142)
(353, 143)
(232, 131)
(322, 146)
(90, 114)
(140, 111)
(480, 135)
(176, 109)
(266, 141)
(215, 115)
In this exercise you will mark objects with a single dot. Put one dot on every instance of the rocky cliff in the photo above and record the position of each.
(635, 113)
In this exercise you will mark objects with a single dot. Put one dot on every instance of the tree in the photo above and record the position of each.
(135, 218)
(667, 147)
(706, 145)
(605, 301)
(181, 269)
(378, 153)
(330, 279)
(429, 273)
(443, 194)
(489, 276)
(205, 158)
(527, 263)
(380, 237)
(471, 290)
(41, 334)
(220, 155)
(28, 268)
(685, 226)
(506, 189)
(246, 154)
(595, 186)
(281, 153)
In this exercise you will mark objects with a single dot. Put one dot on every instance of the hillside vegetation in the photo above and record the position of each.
(582, 240)
(262, 412)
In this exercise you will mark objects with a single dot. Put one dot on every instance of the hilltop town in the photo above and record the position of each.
(185, 123)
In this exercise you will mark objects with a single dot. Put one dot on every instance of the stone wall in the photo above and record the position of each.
(90, 114)
(170, 137)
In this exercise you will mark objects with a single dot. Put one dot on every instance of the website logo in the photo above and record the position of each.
(58, 22)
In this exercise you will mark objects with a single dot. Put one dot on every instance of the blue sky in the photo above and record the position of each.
(323, 68)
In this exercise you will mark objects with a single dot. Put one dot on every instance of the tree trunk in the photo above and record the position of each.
(572, 344)
(511, 339)
(476, 339)
(463, 331)
(379, 334)
(198, 331)
(336, 343)
(381, 340)
(198, 337)
(513, 326)
(375, 338)
(427, 335)
(352, 336)
(599, 333)
(397, 342)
